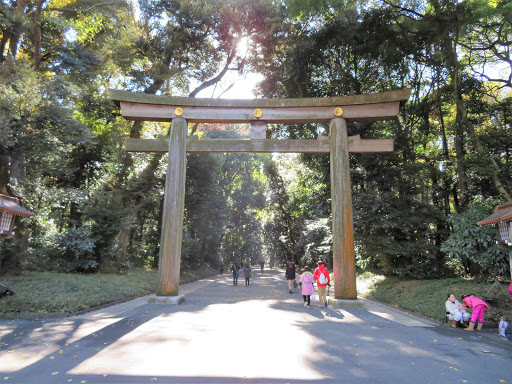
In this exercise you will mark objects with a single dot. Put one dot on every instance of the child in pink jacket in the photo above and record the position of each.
(308, 289)
(478, 308)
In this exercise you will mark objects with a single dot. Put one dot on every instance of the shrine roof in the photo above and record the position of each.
(501, 213)
(401, 95)
(10, 204)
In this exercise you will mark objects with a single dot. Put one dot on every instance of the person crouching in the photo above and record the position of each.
(478, 308)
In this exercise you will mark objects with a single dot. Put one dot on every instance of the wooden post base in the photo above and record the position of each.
(167, 300)
(341, 303)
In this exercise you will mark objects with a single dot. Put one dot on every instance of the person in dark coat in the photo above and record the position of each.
(290, 276)
(236, 271)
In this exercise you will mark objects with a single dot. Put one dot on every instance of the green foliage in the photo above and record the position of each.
(98, 207)
(51, 292)
(74, 251)
(470, 243)
(45, 292)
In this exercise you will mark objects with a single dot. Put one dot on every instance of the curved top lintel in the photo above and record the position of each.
(401, 95)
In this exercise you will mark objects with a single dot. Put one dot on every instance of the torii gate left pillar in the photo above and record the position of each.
(172, 216)
(373, 107)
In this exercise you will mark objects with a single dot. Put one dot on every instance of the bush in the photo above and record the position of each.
(473, 249)
(74, 252)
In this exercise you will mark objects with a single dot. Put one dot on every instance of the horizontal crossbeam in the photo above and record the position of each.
(323, 145)
(285, 115)
(374, 98)
(373, 107)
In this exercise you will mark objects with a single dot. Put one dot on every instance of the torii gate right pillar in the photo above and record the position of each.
(344, 270)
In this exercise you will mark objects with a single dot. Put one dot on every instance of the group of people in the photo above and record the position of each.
(458, 312)
(307, 280)
(236, 270)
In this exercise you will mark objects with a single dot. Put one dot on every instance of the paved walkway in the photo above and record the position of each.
(255, 334)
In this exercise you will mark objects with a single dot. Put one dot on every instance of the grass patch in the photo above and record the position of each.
(45, 292)
(427, 297)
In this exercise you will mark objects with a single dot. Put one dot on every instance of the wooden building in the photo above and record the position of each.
(9, 208)
(502, 218)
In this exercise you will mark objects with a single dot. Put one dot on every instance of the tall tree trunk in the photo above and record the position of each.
(17, 175)
(37, 33)
(3, 43)
(446, 153)
(453, 67)
(461, 169)
(4, 174)
(15, 36)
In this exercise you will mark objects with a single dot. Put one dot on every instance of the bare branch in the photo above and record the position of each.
(227, 89)
(403, 9)
(217, 78)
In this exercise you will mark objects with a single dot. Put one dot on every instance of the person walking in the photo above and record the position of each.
(236, 272)
(478, 308)
(307, 284)
(290, 276)
(262, 264)
(322, 278)
(247, 274)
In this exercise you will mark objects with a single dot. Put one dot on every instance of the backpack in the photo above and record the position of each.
(321, 278)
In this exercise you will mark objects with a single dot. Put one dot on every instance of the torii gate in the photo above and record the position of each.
(258, 112)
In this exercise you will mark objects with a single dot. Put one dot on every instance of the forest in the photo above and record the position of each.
(98, 207)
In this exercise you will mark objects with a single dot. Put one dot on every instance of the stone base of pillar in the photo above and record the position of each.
(344, 303)
(166, 300)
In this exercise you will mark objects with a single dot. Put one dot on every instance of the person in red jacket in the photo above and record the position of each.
(322, 278)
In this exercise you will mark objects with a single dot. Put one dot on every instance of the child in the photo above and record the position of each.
(247, 274)
(479, 307)
(306, 282)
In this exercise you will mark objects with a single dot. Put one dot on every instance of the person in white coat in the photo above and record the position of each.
(456, 311)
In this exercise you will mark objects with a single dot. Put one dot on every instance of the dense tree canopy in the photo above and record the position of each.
(98, 207)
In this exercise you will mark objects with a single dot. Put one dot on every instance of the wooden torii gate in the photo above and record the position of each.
(258, 112)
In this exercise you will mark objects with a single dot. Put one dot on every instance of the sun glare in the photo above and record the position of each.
(243, 46)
